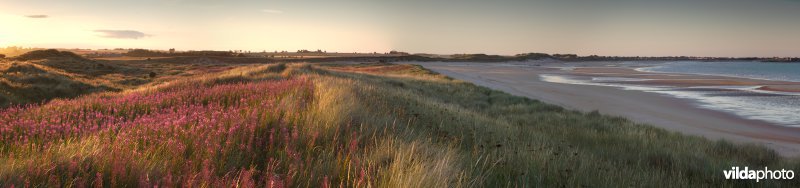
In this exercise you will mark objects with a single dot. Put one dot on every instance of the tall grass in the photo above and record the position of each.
(503, 140)
(48, 75)
(382, 125)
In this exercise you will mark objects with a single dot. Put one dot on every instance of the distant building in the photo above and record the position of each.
(172, 50)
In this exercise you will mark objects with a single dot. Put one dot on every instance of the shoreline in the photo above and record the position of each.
(670, 113)
(683, 79)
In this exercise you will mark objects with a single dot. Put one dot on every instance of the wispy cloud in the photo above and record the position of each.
(37, 16)
(272, 11)
(121, 34)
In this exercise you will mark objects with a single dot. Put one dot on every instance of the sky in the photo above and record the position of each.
(729, 28)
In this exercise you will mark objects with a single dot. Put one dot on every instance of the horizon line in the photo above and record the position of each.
(409, 53)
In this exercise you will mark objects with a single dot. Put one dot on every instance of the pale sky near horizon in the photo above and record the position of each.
(585, 27)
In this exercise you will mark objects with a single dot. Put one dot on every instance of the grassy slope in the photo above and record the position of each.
(354, 125)
(532, 143)
(40, 78)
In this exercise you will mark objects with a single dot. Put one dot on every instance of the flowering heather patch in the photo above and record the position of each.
(66, 119)
(245, 133)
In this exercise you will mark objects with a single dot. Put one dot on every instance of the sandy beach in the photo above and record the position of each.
(681, 115)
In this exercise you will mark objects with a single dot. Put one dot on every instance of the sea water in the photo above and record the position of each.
(780, 108)
(742, 69)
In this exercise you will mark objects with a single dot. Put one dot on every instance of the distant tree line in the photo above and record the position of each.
(395, 52)
(309, 51)
(574, 57)
(151, 53)
(12, 51)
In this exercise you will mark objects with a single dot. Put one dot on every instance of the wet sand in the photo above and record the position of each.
(781, 88)
(682, 80)
(681, 115)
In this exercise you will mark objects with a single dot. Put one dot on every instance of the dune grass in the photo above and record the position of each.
(531, 143)
(40, 76)
(331, 125)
